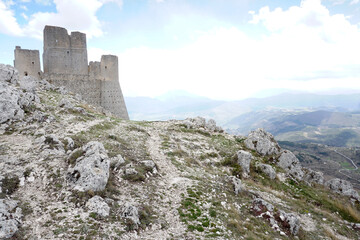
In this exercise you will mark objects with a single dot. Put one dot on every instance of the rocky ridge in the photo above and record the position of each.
(69, 171)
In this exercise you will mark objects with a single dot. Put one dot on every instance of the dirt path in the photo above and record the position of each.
(170, 185)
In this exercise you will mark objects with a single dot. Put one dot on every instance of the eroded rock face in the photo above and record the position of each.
(260, 206)
(312, 176)
(236, 184)
(278, 219)
(200, 122)
(91, 171)
(289, 162)
(244, 159)
(65, 103)
(342, 187)
(10, 218)
(8, 74)
(98, 205)
(117, 161)
(28, 83)
(289, 221)
(262, 142)
(10, 108)
(14, 100)
(131, 213)
(267, 169)
(70, 143)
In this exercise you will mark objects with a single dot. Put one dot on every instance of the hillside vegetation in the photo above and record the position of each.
(71, 171)
(338, 129)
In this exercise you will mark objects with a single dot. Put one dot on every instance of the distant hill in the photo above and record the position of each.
(181, 105)
(326, 127)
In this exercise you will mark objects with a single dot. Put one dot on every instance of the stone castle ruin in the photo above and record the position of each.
(65, 63)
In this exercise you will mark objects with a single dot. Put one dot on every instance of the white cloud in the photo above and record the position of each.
(94, 54)
(71, 14)
(24, 16)
(118, 2)
(8, 23)
(79, 15)
(24, 7)
(9, 3)
(306, 48)
(353, 2)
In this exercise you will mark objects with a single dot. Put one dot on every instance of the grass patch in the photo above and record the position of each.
(75, 155)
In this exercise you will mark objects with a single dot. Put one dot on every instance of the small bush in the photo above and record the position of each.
(10, 185)
(145, 216)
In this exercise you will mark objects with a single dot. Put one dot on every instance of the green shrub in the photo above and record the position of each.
(10, 185)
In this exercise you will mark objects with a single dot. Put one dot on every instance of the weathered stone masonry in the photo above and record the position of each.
(65, 64)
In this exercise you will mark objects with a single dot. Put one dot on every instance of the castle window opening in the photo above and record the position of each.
(105, 67)
(32, 63)
(25, 73)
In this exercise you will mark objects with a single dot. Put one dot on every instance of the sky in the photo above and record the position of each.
(221, 49)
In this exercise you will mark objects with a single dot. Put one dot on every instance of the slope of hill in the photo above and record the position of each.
(68, 171)
(182, 105)
(326, 127)
(332, 161)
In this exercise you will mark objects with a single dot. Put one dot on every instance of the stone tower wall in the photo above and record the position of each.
(65, 64)
(64, 54)
(27, 62)
(111, 95)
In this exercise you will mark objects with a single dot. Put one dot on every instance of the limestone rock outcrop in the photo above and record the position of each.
(28, 83)
(312, 176)
(97, 205)
(289, 221)
(244, 159)
(13, 100)
(9, 104)
(342, 187)
(131, 214)
(278, 219)
(289, 162)
(200, 122)
(236, 184)
(8, 74)
(10, 218)
(267, 170)
(262, 142)
(91, 171)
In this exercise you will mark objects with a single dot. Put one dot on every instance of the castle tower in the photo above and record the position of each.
(111, 95)
(66, 64)
(63, 53)
(27, 62)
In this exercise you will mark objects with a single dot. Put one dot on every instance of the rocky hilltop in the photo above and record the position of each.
(70, 171)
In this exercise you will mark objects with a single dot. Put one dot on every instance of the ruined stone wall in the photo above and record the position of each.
(89, 90)
(65, 64)
(112, 99)
(63, 53)
(27, 62)
(95, 70)
(107, 73)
